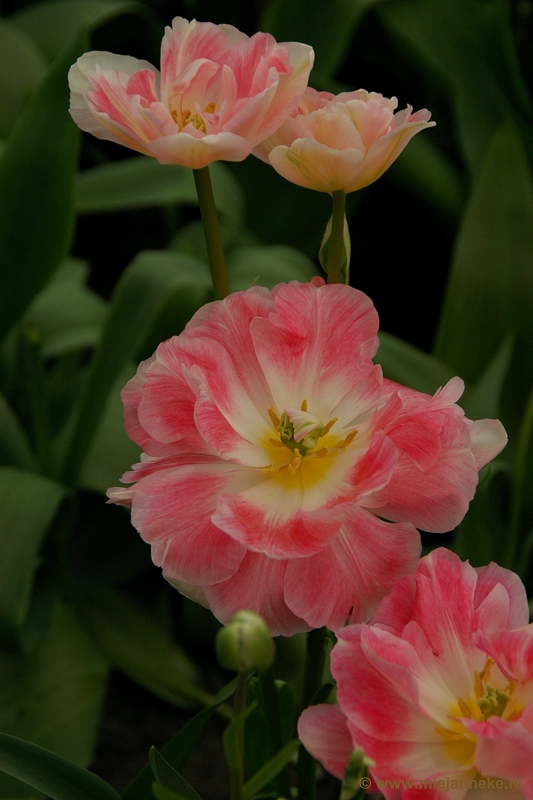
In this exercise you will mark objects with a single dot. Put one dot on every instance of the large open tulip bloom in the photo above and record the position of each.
(281, 472)
(439, 688)
(341, 143)
(219, 93)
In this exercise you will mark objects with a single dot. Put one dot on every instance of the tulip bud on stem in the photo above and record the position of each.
(335, 248)
(213, 240)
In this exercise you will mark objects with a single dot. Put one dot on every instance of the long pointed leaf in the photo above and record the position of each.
(36, 190)
(56, 776)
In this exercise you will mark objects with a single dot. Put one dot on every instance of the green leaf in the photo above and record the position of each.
(490, 289)
(141, 182)
(267, 265)
(135, 643)
(483, 400)
(168, 778)
(15, 448)
(470, 43)
(29, 503)
(328, 29)
(406, 364)
(57, 777)
(143, 292)
(22, 67)
(270, 770)
(53, 697)
(162, 793)
(180, 747)
(51, 24)
(67, 315)
(36, 190)
(112, 452)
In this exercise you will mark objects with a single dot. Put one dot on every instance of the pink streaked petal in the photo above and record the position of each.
(290, 344)
(257, 585)
(511, 650)
(374, 469)
(372, 118)
(166, 407)
(359, 399)
(493, 575)
(488, 439)
(144, 83)
(350, 576)
(195, 593)
(228, 323)
(188, 92)
(172, 510)
(121, 495)
(383, 152)
(316, 166)
(186, 42)
(268, 519)
(224, 439)
(196, 153)
(323, 730)
(503, 748)
(247, 114)
(493, 612)
(396, 610)
(419, 438)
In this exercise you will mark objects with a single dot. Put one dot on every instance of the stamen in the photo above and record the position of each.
(272, 470)
(303, 407)
(466, 711)
(276, 442)
(349, 439)
(322, 452)
(446, 734)
(210, 107)
(295, 463)
(274, 417)
(329, 426)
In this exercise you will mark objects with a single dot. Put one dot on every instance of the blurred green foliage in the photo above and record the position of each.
(101, 257)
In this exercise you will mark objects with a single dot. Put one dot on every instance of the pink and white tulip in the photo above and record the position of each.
(438, 688)
(341, 143)
(219, 93)
(281, 473)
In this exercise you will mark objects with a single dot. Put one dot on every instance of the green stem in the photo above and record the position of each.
(270, 705)
(317, 647)
(336, 242)
(519, 482)
(213, 240)
(39, 404)
(239, 704)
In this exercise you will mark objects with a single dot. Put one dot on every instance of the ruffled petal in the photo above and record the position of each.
(324, 733)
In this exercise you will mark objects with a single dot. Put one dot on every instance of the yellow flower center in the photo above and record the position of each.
(192, 119)
(487, 698)
(302, 444)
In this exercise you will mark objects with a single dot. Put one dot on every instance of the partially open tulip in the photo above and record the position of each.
(341, 143)
(438, 689)
(219, 93)
(282, 473)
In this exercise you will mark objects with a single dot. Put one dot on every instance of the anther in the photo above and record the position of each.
(274, 417)
(295, 463)
(303, 407)
(329, 426)
(272, 470)
(349, 439)
(466, 711)
(210, 107)
(276, 442)
(322, 452)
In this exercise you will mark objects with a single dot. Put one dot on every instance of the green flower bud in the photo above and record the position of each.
(245, 643)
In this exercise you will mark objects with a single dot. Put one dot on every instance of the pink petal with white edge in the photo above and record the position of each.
(493, 575)
(323, 730)
(503, 748)
(196, 153)
(257, 585)
(488, 439)
(292, 350)
(172, 510)
(511, 650)
(350, 576)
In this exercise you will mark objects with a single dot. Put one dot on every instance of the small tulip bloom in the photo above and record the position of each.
(341, 143)
(219, 93)
(281, 472)
(437, 689)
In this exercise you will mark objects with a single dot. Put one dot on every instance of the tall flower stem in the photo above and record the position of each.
(317, 647)
(236, 764)
(213, 240)
(270, 706)
(336, 244)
